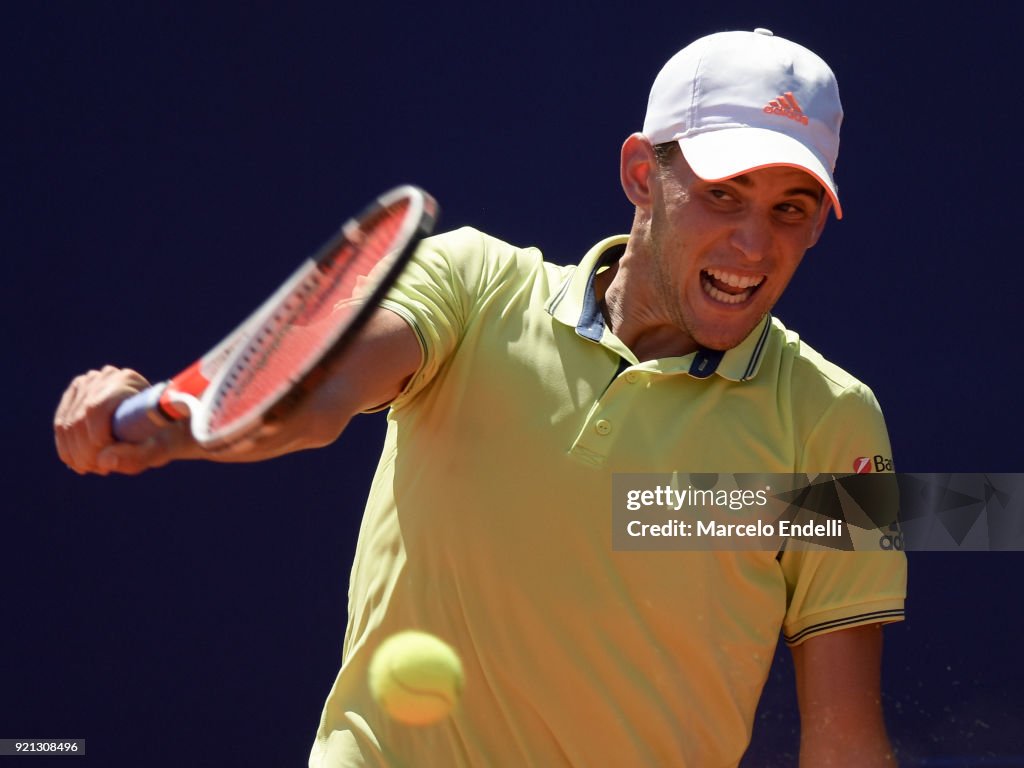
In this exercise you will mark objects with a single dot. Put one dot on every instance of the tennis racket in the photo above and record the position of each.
(263, 367)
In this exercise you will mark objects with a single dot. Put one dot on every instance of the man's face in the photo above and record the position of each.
(723, 252)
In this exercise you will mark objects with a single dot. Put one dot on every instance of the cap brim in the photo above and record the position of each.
(723, 154)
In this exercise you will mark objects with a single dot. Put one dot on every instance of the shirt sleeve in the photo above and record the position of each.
(829, 590)
(440, 294)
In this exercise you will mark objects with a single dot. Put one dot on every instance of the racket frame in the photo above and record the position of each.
(192, 393)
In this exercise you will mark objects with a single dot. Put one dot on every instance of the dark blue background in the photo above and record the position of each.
(165, 166)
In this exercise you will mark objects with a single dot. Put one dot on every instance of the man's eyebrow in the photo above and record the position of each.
(817, 192)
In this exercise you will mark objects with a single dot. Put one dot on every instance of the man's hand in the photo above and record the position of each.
(370, 374)
(82, 432)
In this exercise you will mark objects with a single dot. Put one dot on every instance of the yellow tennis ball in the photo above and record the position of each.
(416, 677)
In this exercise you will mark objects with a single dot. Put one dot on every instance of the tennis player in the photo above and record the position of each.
(516, 388)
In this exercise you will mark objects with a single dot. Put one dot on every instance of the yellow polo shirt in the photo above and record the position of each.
(489, 524)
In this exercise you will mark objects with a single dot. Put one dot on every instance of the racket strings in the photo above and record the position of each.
(336, 295)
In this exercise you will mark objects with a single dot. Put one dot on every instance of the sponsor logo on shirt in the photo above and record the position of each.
(862, 465)
(892, 539)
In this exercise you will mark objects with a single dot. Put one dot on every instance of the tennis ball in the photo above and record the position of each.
(415, 677)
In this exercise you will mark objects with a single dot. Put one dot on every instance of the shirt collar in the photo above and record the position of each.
(575, 305)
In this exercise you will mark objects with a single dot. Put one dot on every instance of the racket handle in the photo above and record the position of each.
(139, 417)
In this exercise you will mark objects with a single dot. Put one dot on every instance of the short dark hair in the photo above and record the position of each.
(666, 152)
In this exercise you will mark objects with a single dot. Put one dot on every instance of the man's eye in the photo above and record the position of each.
(720, 194)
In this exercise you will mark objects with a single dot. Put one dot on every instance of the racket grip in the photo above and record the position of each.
(139, 417)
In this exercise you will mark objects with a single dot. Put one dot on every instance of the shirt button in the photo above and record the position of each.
(632, 377)
(603, 426)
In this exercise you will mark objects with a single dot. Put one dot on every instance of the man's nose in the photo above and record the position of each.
(752, 236)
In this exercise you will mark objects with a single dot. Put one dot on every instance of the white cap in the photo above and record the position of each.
(740, 101)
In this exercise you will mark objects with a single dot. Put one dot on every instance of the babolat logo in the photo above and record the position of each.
(862, 465)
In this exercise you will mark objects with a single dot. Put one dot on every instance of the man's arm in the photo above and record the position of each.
(838, 683)
(372, 372)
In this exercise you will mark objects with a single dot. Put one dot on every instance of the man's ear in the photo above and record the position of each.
(637, 168)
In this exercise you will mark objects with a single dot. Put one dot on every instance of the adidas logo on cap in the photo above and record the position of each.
(787, 106)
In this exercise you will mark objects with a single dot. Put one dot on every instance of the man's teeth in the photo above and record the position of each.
(745, 283)
(736, 281)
